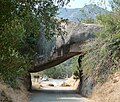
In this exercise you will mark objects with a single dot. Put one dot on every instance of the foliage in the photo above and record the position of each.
(88, 20)
(20, 24)
(115, 4)
(103, 52)
(65, 69)
(57, 72)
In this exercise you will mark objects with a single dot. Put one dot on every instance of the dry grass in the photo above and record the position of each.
(17, 95)
(109, 91)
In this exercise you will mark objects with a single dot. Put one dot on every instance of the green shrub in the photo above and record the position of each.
(20, 24)
(103, 53)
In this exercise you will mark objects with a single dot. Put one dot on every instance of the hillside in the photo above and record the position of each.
(77, 14)
(110, 89)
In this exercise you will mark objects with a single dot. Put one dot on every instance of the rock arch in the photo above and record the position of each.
(61, 48)
(55, 51)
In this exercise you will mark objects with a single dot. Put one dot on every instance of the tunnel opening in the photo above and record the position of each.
(61, 82)
(65, 76)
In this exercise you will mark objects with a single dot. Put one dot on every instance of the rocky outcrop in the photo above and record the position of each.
(60, 48)
(88, 83)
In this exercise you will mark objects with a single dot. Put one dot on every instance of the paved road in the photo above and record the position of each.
(56, 94)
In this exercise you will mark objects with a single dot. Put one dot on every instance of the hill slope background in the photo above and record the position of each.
(77, 14)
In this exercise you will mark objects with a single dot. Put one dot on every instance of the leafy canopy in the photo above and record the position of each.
(20, 24)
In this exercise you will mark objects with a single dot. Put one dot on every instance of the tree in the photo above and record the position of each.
(88, 20)
(20, 24)
(115, 4)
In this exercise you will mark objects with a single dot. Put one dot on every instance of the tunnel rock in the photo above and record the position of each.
(60, 48)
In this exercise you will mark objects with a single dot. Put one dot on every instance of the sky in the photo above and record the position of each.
(82, 3)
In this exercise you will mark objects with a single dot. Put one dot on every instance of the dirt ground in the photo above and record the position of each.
(8, 94)
(109, 91)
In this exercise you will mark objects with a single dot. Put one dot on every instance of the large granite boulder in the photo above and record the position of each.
(60, 48)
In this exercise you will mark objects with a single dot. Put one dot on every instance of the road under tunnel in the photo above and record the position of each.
(56, 90)
(46, 93)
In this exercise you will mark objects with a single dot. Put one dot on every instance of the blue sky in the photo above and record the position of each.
(82, 3)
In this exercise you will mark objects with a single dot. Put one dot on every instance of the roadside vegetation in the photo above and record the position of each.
(103, 53)
(20, 24)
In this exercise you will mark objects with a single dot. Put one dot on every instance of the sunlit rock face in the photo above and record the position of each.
(60, 48)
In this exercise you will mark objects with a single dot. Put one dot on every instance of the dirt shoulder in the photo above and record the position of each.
(8, 94)
(109, 91)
